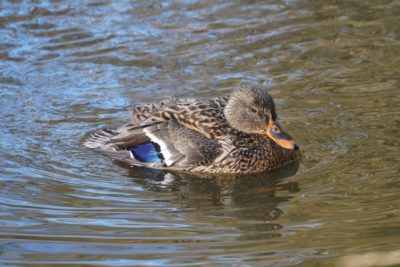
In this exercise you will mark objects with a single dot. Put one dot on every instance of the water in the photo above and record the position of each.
(70, 67)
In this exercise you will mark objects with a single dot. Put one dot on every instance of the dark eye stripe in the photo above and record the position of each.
(274, 116)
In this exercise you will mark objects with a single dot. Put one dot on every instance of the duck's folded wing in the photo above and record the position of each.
(178, 145)
(142, 112)
(188, 133)
(205, 117)
(123, 144)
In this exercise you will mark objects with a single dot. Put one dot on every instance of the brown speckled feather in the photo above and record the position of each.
(201, 126)
(203, 115)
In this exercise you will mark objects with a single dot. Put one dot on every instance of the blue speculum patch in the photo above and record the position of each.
(147, 152)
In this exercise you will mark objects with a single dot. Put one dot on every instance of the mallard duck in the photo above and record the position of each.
(235, 134)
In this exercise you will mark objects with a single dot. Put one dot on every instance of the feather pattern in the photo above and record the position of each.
(217, 135)
(146, 152)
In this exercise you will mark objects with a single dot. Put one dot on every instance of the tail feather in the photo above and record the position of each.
(99, 139)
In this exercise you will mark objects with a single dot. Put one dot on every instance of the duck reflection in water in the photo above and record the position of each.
(247, 198)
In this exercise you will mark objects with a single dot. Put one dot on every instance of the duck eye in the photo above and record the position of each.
(253, 109)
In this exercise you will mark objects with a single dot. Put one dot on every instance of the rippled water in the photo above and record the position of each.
(70, 67)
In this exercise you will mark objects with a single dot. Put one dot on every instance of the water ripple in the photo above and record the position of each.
(69, 68)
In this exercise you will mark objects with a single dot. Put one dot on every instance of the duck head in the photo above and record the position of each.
(252, 110)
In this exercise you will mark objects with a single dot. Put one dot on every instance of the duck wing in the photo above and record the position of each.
(205, 116)
(135, 146)
(174, 133)
(161, 145)
(142, 112)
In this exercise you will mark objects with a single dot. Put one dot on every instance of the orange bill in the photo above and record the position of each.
(279, 136)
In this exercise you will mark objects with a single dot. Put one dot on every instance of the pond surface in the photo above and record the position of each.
(70, 67)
